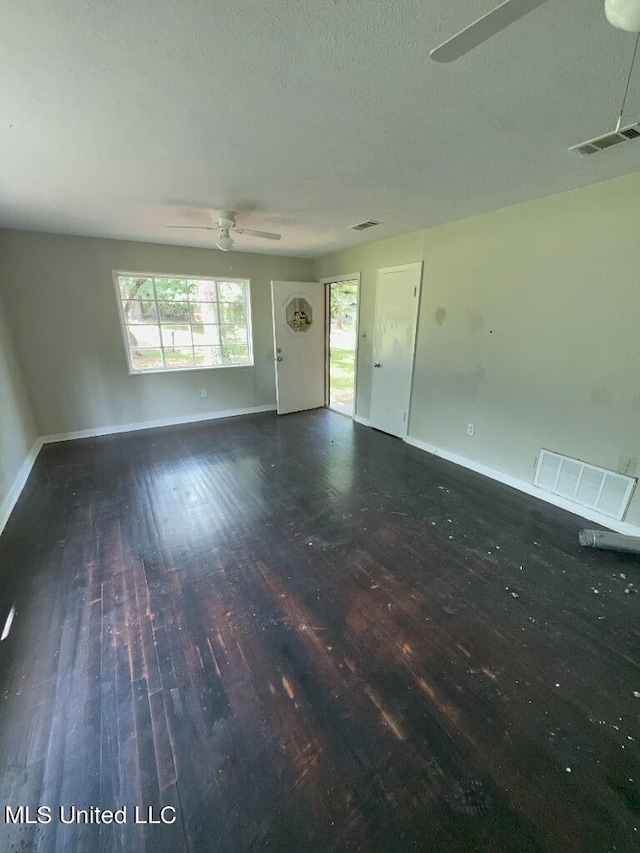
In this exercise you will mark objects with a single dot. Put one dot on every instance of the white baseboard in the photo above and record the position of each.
(11, 499)
(7, 505)
(161, 422)
(527, 488)
(521, 485)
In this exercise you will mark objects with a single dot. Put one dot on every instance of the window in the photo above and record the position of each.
(172, 323)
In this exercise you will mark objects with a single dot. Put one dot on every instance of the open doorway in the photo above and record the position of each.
(342, 344)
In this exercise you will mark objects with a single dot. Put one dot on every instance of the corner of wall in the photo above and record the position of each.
(11, 497)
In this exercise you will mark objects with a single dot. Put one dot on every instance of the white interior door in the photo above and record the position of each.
(299, 341)
(394, 335)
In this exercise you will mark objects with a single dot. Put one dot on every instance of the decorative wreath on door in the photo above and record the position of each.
(299, 314)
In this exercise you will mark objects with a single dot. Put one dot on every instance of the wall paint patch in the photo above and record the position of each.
(601, 397)
(474, 322)
(440, 315)
(627, 465)
(467, 384)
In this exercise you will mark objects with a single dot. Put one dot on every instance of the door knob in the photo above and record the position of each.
(376, 364)
(279, 358)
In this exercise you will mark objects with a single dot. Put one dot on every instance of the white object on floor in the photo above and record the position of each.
(8, 623)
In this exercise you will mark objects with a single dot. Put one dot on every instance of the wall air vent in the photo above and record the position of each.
(362, 226)
(587, 485)
(600, 143)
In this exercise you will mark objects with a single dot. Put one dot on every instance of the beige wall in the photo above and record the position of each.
(17, 425)
(60, 298)
(529, 327)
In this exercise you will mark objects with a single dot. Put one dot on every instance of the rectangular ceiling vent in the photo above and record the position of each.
(596, 488)
(362, 226)
(600, 143)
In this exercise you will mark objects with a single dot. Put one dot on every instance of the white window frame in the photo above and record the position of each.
(217, 278)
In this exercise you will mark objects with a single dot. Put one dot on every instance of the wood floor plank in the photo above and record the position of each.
(300, 634)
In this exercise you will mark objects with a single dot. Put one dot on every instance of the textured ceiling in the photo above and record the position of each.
(308, 115)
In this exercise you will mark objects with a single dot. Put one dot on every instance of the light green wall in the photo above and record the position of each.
(17, 424)
(529, 327)
(60, 298)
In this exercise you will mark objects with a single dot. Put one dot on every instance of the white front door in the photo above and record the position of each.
(299, 340)
(394, 335)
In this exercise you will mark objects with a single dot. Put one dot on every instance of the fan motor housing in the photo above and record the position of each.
(225, 218)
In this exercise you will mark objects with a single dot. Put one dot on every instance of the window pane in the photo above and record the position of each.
(233, 334)
(207, 356)
(231, 291)
(171, 322)
(182, 357)
(176, 336)
(146, 359)
(203, 312)
(171, 289)
(235, 355)
(136, 311)
(143, 336)
(202, 291)
(204, 335)
(232, 312)
(132, 287)
(173, 312)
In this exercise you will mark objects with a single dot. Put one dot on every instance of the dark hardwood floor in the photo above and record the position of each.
(304, 635)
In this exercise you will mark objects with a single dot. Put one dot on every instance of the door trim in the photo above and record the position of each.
(417, 265)
(401, 268)
(336, 279)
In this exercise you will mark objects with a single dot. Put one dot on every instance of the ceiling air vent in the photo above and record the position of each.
(362, 226)
(600, 143)
(604, 491)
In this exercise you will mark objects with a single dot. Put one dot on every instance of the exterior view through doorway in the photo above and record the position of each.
(342, 343)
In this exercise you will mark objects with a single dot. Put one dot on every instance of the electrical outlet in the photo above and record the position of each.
(471, 428)
(203, 393)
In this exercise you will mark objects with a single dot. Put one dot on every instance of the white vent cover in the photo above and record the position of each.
(362, 226)
(604, 491)
(601, 143)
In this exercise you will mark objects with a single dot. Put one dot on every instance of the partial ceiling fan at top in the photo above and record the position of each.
(623, 14)
(225, 224)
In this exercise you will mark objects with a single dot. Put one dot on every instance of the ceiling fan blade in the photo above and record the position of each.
(249, 232)
(482, 29)
(196, 227)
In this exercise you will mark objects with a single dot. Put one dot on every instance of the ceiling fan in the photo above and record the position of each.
(623, 14)
(224, 222)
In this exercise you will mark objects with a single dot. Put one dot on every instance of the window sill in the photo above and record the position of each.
(171, 370)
